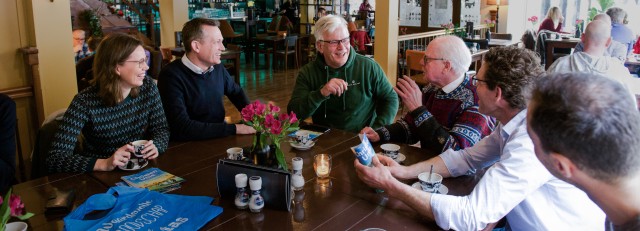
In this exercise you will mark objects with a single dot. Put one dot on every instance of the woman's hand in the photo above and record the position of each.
(119, 158)
(150, 151)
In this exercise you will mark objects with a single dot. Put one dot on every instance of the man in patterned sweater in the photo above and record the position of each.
(445, 115)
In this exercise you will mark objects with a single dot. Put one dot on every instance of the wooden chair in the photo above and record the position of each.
(308, 50)
(414, 57)
(290, 48)
(501, 36)
(228, 33)
(484, 43)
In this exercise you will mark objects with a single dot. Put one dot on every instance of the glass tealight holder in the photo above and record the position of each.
(322, 165)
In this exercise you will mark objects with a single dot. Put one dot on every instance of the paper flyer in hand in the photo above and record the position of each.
(364, 151)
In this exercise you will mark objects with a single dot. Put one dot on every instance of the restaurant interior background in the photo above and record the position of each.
(37, 67)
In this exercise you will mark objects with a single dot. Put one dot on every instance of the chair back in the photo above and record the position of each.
(501, 36)
(413, 60)
(226, 29)
(359, 39)
(44, 138)
(529, 39)
(156, 64)
(291, 41)
(484, 43)
(278, 23)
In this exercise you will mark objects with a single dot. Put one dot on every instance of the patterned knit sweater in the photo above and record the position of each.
(446, 120)
(105, 129)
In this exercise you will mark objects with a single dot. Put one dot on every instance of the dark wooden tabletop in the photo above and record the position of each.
(342, 202)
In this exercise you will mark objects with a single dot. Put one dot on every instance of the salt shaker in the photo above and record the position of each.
(297, 180)
(256, 203)
(242, 195)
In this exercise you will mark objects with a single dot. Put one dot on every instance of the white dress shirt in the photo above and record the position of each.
(517, 185)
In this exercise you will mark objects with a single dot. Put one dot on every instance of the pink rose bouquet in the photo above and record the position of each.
(12, 206)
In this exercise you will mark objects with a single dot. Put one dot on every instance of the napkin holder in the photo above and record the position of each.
(276, 183)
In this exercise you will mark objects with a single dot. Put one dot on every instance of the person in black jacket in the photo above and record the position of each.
(7, 143)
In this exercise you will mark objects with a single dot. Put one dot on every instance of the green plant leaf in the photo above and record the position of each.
(5, 211)
(280, 158)
(27, 215)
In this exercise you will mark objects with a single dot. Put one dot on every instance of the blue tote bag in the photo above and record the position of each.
(128, 208)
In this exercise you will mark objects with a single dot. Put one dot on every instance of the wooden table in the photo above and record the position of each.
(502, 42)
(340, 203)
(550, 44)
(226, 55)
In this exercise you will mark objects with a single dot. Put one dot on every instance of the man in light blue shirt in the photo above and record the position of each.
(515, 185)
(620, 32)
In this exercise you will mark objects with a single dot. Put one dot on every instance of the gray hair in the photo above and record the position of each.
(591, 120)
(617, 14)
(329, 23)
(454, 50)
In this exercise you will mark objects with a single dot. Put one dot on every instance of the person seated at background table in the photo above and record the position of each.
(553, 21)
(619, 31)
(80, 47)
(7, 143)
(588, 137)
(365, 6)
(341, 88)
(321, 12)
(84, 73)
(615, 49)
(445, 113)
(121, 106)
(596, 38)
(192, 87)
(515, 185)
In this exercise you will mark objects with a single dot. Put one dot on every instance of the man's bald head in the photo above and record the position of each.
(603, 17)
(598, 32)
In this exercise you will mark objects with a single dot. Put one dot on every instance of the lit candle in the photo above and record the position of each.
(322, 165)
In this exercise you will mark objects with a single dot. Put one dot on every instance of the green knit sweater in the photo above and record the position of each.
(105, 128)
(369, 100)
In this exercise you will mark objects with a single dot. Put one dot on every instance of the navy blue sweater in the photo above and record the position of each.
(7, 142)
(193, 102)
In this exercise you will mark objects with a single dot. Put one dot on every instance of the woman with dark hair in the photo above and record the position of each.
(122, 105)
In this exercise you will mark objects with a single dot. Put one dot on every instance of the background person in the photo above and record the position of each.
(619, 31)
(122, 105)
(80, 47)
(553, 21)
(7, 143)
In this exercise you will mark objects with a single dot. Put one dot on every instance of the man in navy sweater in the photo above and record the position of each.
(7, 143)
(192, 87)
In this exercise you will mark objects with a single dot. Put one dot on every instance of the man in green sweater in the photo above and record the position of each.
(341, 88)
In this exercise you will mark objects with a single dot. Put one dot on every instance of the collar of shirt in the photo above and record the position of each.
(453, 85)
(193, 67)
(513, 124)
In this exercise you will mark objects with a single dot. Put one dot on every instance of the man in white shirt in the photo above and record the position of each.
(515, 185)
(589, 137)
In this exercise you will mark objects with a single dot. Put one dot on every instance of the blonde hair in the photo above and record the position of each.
(552, 13)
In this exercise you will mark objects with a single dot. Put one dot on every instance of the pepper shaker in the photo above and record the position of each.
(256, 203)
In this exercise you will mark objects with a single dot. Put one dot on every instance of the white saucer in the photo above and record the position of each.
(400, 159)
(442, 190)
(302, 147)
(136, 166)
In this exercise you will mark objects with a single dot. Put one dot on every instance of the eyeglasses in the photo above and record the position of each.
(79, 39)
(475, 80)
(426, 59)
(140, 63)
(334, 43)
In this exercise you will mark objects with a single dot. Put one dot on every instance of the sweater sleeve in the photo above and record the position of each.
(158, 126)
(7, 142)
(305, 98)
(386, 100)
(181, 125)
(61, 156)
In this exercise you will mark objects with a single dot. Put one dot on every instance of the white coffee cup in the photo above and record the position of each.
(430, 184)
(302, 137)
(235, 153)
(390, 150)
(138, 157)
